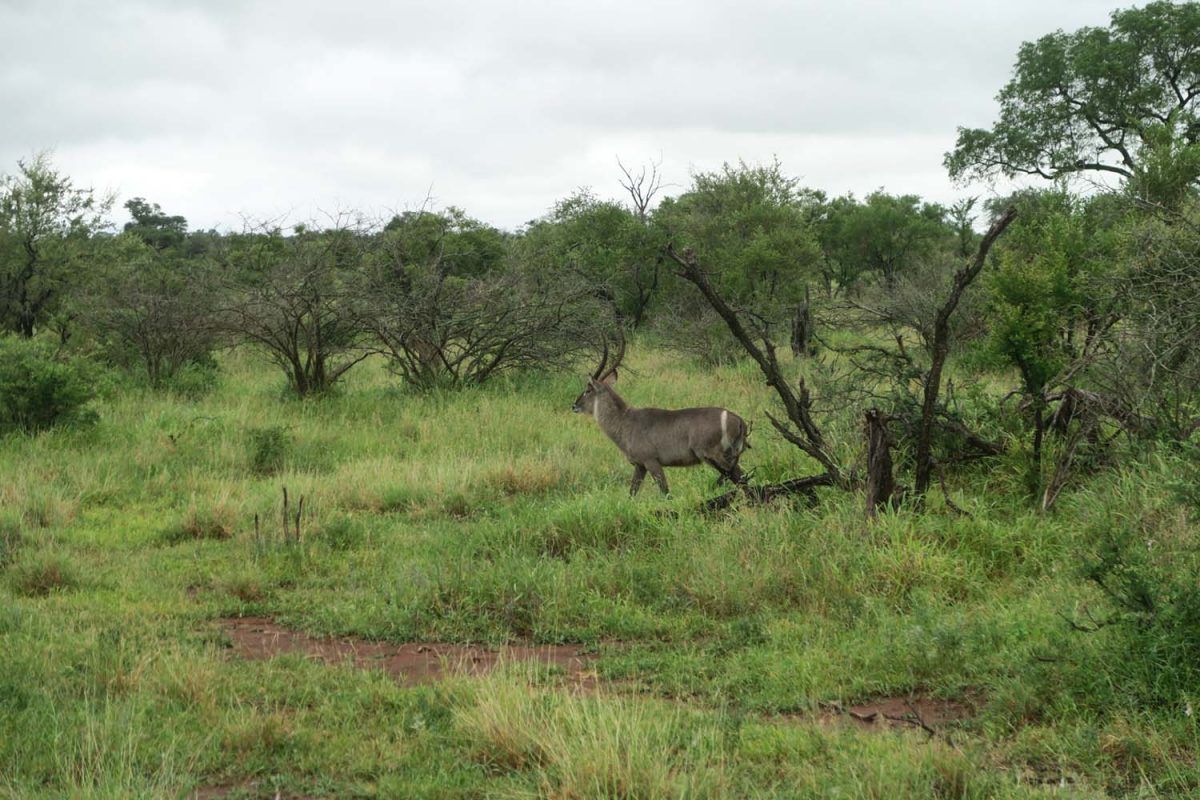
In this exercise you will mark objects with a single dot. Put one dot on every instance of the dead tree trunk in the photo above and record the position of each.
(941, 350)
(881, 484)
(802, 328)
(802, 431)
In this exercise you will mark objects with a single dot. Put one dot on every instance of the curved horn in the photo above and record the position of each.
(616, 362)
(603, 362)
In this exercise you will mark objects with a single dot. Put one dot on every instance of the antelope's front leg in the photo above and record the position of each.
(639, 474)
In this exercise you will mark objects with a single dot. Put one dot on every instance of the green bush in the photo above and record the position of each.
(1185, 488)
(268, 448)
(38, 390)
(214, 522)
(1150, 582)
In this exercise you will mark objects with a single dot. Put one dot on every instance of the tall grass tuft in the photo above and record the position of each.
(42, 573)
(591, 746)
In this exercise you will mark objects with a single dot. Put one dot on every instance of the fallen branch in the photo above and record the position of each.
(950, 504)
(770, 492)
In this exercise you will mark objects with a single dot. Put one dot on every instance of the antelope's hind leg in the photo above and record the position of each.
(656, 472)
(728, 471)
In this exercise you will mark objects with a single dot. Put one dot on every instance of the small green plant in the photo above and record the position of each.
(269, 448)
(341, 533)
(247, 586)
(39, 391)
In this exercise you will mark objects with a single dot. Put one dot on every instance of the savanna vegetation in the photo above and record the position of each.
(964, 561)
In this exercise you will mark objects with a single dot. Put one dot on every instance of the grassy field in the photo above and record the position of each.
(496, 516)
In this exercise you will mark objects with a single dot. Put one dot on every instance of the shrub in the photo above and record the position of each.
(1149, 577)
(38, 390)
(150, 312)
(217, 522)
(702, 337)
(268, 448)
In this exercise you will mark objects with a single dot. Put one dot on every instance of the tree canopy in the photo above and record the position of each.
(44, 221)
(154, 226)
(1120, 100)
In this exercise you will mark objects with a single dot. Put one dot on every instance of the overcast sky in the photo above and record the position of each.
(214, 109)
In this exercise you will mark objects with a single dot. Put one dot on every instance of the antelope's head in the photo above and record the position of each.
(599, 381)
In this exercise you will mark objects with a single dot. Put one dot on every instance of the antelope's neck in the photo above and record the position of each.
(609, 411)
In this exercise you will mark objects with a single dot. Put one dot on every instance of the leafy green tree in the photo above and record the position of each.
(1120, 100)
(297, 298)
(1052, 299)
(45, 227)
(601, 242)
(885, 234)
(149, 312)
(159, 230)
(460, 245)
(751, 228)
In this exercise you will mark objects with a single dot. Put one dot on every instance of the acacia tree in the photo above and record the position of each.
(1150, 377)
(1053, 302)
(45, 224)
(645, 264)
(1120, 101)
(933, 306)
(750, 225)
(461, 245)
(149, 310)
(294, 296)
(153, 226)
(438, 327)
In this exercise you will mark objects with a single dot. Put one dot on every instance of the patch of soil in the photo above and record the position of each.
(261, 638)
(218, 791)
(930, 714)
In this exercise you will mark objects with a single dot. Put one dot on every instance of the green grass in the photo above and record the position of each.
(495, 515)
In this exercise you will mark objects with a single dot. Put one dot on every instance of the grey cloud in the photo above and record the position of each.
(214, 108)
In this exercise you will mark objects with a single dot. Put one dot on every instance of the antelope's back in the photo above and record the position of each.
(673, 437)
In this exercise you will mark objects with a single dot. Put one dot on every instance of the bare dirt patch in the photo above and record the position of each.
(930, 714)
(246, 789)
(261, 638)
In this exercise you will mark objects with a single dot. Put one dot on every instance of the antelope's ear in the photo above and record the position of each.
(610, 378)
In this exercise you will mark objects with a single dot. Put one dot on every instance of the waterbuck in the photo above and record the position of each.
(653, 438)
